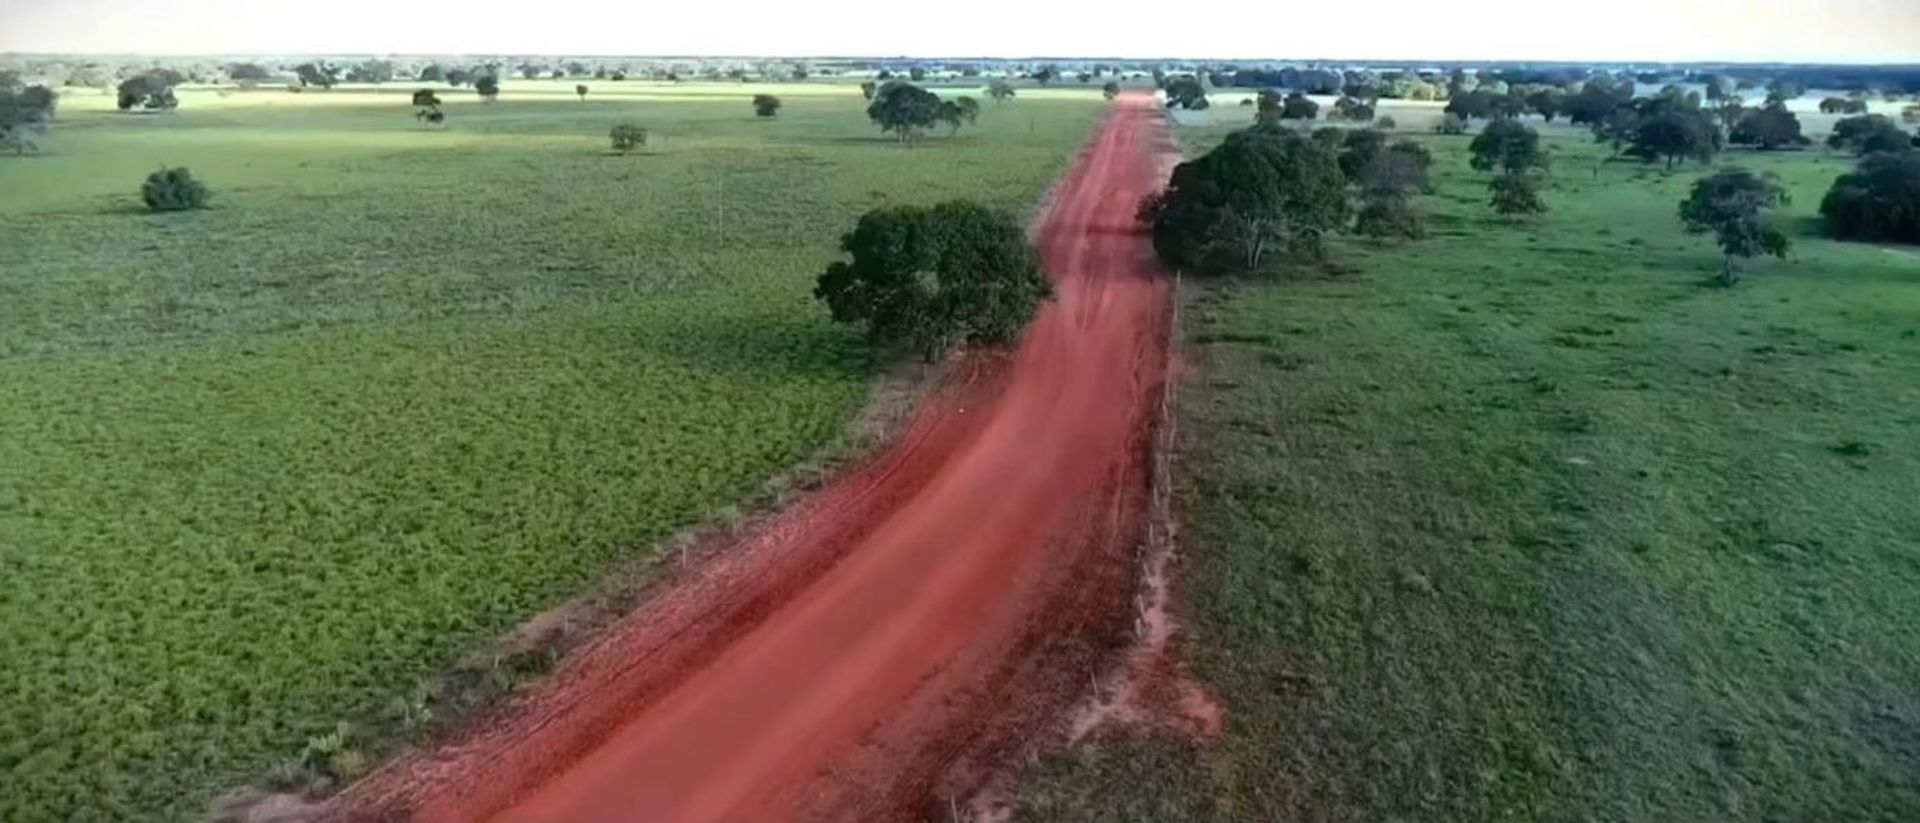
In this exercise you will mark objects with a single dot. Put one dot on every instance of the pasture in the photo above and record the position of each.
(1534, 521)
(273, 466)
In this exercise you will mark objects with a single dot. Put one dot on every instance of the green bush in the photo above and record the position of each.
(173, 189)
(627, 136)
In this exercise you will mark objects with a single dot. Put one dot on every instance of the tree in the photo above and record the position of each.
(868, 88)
(1868, 133)
(371, 71)
(1358, 149)
(433, 73)
(1000, 90)
(173, 189)
(1598, 98)
(1878, 201)
(1267, 107)
(917, 74)
(1110, 90)
(1546, 102)
(1186, 92)
(1780, 91)
(317, 74)
(1670, 129)
(24, 112)
(1843, 105)
(1514, 194)
(627, 136)
(1729, 204)
(959, 110)
(151, 90)
(459, 77)
(488, 87)
(531, 71)
(1509, 146)
(904, 109)
(1259, 188)
(1451, 124)
(1297, 107)
(246, 73)
(766, 105)
(929, 278)
(1351, 108)
(1768, 127)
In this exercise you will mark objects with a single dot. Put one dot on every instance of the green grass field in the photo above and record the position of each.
(272, 466)
(1534, 522)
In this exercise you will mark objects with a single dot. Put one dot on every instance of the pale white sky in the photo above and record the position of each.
(1850, 31)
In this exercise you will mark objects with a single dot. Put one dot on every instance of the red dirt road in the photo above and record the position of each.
(865, 653)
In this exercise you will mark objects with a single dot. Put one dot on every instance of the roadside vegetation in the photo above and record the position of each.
(273, 460)
(1537, 519)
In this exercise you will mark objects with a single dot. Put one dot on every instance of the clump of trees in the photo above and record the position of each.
(322, 75)
(173, 189)
(1001, 91)
(1879, 201)
(905, 110)
(24, 113)
(1868, 133)
(1843, 105)
(627, 136)
(929, 278)
(1731, 204)
(150, 90)
(1766, 128)
(959, 110)
(1187, 92)
(1297, 107)
(1512, 150)
(765, 105)
(1352, 109)
(1388, 178)
(1260, 189)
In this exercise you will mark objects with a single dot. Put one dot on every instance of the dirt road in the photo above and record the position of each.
(866, 653)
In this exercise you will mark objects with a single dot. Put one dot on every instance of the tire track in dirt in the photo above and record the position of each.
(868, 652)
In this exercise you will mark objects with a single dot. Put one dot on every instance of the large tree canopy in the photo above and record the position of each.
(904, 109)
(1878, 201)
(1186, 92)
(1509, 146)
(1260, 187)
(23, 112)
(1868, 133)
(932, 277)
(1768, 127)
(151, 90)
(1730, 204)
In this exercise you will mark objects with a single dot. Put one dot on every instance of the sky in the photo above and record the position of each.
(1831, 31)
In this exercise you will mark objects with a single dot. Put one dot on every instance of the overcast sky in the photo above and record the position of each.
(1645, 30)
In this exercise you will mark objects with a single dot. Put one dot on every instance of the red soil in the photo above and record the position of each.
(870, 651)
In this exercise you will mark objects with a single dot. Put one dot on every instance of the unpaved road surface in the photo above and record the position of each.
(869, 652)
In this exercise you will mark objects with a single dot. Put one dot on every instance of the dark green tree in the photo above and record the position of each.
(173, 189)
(433, 73)
(1868, 133)
(1515, 194)
(1731, 204)
(1297, 107)
(1352, 109)
(766, 105)
(904, 109)
(24, 113)
(868, 88)
(929, 278)
(322, 75)
(1879, 201)
(1769, 127)
(581, 89)
(488, 87)
(150, 90)
(1110, 90)
(1509, 146)
(1000, 90)
(1670, 129)
(1260, 188)
(1186, 92)
(626, 137)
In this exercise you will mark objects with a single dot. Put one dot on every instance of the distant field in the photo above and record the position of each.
(1534, 522)
(271, 466)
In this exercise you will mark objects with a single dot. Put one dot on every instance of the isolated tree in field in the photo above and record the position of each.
(581, 89)
(247, 74)
(1298, 107)
(1879, 201)
(173, 189)
(929, 278)
(1507, 146)
(1110, 90)
(904, 109)
(1352, 109)
(427, 107)
(1516, 194)
(1768, 127)
(1001, 91)
(1843, 105)
(488, 87)
(1186, 92)
(1868, 133)
(1731, 204)
(1266, 107)
(1259, 189)
(150, 90)
(24, 112)
(766, 105)
(627, 136)
(917, 74)
(321, 75)
(459, 77)
(1672, 131)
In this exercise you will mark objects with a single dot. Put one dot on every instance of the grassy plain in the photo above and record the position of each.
(272, 466)
(1534, 522)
